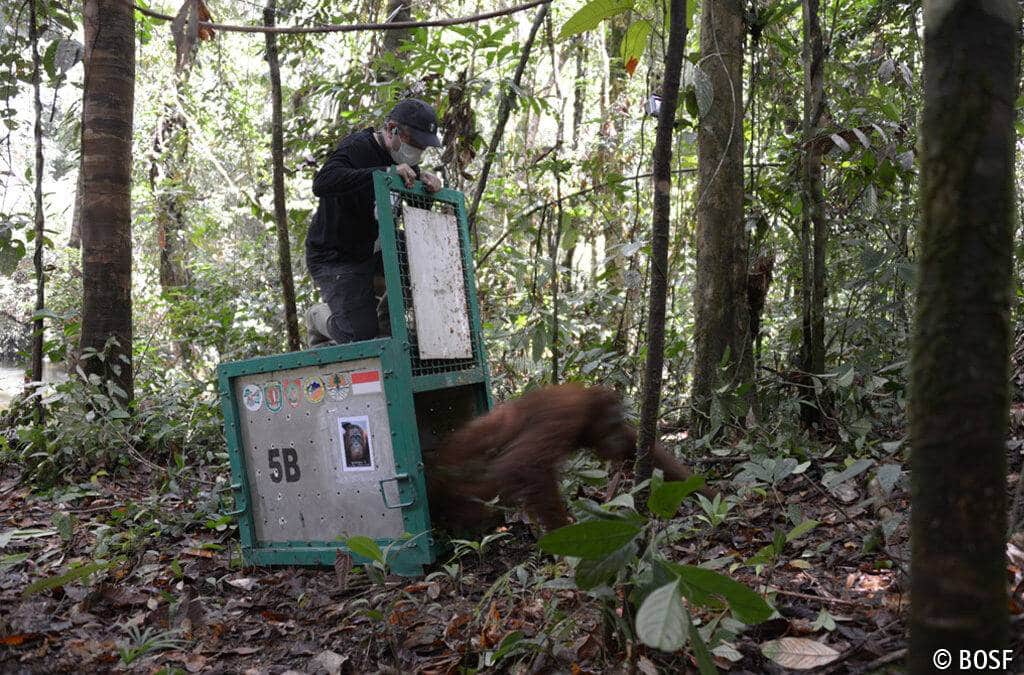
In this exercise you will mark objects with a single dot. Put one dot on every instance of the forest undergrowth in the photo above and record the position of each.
(136, 566)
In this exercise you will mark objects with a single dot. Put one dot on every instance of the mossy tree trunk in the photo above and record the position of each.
(721, 316)
(962, 334)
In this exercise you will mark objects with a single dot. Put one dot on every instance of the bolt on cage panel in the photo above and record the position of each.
(328, 443)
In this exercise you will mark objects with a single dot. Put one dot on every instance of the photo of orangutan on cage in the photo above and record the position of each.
(355, 440)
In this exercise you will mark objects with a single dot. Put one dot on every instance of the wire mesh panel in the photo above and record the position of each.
(399, 199)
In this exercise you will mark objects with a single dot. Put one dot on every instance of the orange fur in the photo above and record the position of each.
(514, 454)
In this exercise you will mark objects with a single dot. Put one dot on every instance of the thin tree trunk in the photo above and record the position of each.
(962, 335)
(555, 242)
(284, 248)
(578, 103)
(662, 213)
(720, 302)
(579, 90)
(75, 237)
(908, 204)
(812, 216)
(504, 109)
(166, 178)
(107, 105)
(37, 258)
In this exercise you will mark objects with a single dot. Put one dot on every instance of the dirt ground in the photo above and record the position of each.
(168, 593)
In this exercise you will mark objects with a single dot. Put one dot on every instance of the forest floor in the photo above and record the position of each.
(173, 596)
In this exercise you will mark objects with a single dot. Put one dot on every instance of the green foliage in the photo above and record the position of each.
(74, 574)
(367, 548)
(666, 497)
(142, 642)
(592, 14)
(634, 43)
(706, 587)
(620, 546)
(590, 540)
(87, 427)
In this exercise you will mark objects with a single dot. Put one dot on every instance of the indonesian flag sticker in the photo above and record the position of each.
(366, 382)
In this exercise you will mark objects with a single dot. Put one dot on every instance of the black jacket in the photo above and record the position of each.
(344, 227)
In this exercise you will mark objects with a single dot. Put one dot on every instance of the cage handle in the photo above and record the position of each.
(397, 477)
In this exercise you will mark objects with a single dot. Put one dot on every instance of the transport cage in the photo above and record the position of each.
(328, 443)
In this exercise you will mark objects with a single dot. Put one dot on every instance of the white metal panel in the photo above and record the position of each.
(438, 284)
(305, 482)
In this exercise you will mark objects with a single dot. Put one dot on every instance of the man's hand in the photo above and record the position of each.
(407, 174)
(431, 182)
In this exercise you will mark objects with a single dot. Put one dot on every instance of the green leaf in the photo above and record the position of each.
(704, 92)
(591, 540)
(46, 314)
(661, 621)
(705, 663)
(801, 529)
(13, 560)
(666, 498)
(699, 585)
(634, 43)
(593, 573)
(11, 251)
(365, 547)
(66, 578)
(591, 14)
(65, 524)
(824, 620)
(832, 480)
(506, 647)
(51, 52)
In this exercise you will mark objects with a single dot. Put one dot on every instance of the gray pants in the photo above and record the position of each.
(348, 291)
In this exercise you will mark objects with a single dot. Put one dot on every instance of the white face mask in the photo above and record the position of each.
(406, 154)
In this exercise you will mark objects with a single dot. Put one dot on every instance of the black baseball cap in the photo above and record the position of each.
(420, 119)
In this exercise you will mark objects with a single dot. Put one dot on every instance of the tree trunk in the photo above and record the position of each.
(578, 103)
(107, 100)
(554, 241)
(397, 10)
(75, 237)
(284, 248)
(166, 179)
(812, 217)
(962, 335)
(37, 258)
(579, 96)
(908, 203)
(662, 211)
(720, 303)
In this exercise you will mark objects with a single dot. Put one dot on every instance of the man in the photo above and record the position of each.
(340, 246)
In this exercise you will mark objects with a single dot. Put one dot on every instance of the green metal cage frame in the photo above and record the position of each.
(403, 376)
